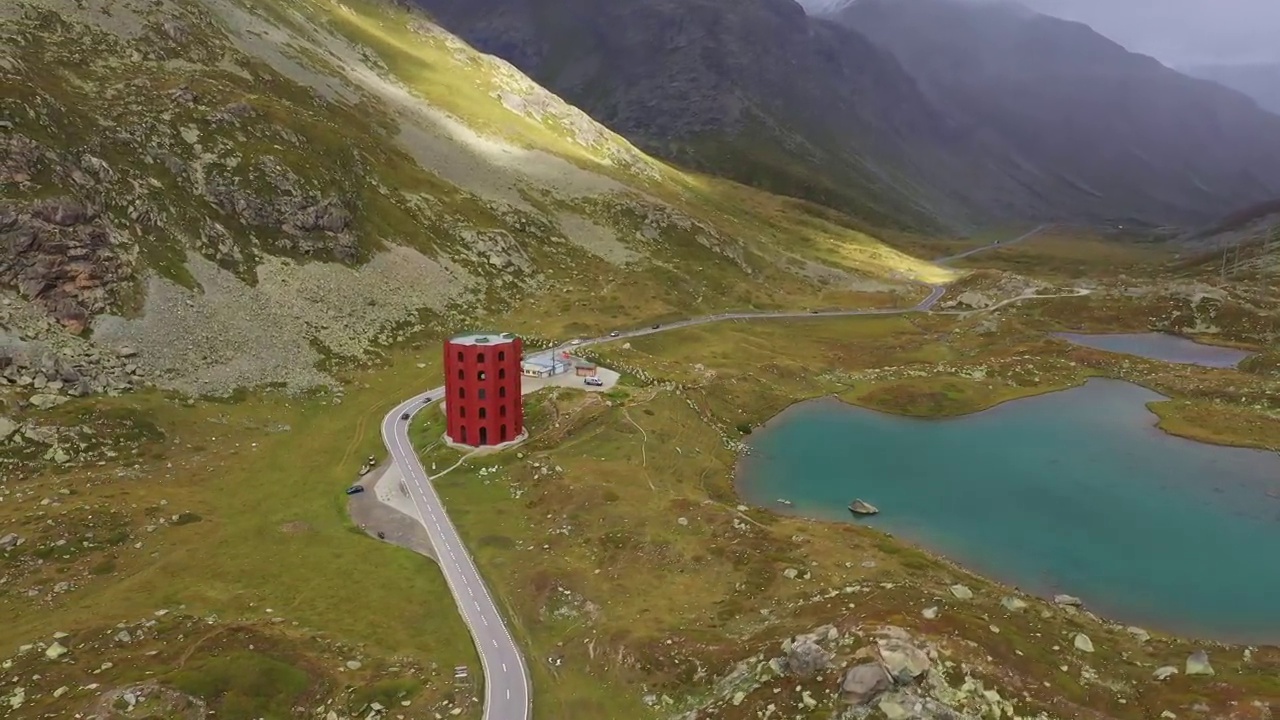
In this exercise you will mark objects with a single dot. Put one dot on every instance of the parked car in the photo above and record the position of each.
(613, 334)
(355, 489)
(593, 382)
(575, 341)
(656, 326)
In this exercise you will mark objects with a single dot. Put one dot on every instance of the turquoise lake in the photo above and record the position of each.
(1159, 346)
(1074, 492)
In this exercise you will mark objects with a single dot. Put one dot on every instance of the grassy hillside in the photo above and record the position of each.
(352, 174)
(302, 197)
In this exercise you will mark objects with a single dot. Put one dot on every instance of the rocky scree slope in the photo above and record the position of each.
(1105, 133)
(221, 193)
(1038, 121)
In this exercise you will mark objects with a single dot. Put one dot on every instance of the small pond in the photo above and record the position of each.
(1074, 492)
(1159, 346)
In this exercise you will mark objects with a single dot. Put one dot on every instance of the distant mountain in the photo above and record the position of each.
(1127, 134)
(1014, 116)
(1259, 81)
(751, 89)
(823, 7)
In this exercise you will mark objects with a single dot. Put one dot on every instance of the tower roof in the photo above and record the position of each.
(482, 338)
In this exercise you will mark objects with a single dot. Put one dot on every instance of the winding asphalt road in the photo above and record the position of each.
(506, 676)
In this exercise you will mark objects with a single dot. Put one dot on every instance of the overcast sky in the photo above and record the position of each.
(1181, 32)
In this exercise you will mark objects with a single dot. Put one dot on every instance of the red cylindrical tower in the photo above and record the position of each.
(482, 388)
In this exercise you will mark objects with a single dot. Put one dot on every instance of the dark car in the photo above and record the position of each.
(355, 489)
(404, 416)
(656, 326)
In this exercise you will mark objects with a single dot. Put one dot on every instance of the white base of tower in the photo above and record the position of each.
(474, 449)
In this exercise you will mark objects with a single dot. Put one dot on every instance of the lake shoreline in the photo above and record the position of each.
(976, 569)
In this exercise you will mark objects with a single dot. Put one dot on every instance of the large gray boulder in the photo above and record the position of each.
(904, 662)
(7, 428)
(804, 656)
(1198, 664)
(863, 683)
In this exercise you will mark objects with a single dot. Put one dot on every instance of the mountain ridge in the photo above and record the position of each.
(1260, 81)
(822, 109)
(235, 209)
(1069, 99)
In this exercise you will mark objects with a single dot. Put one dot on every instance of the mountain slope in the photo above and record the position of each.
(1116, 134)
(242, 192)
(761, 92)
(758, 91)
(1260, 82)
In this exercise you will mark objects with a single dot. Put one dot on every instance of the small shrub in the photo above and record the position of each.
(744, 428)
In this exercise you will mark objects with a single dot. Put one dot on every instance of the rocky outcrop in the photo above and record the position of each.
(298, 221)
(41, 357)
(62, 254)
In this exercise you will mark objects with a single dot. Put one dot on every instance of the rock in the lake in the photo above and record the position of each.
(1070, 600)
(904, 662)
(1198, 664)
(930, 613)
(862, 683)
(353, 665)
(1164, 673)
(862, 507)
(1083, 643)
(10, 540)
(962, 592)
(1139, 633)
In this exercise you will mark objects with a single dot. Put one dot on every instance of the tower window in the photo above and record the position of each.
(462, 393)
(460, 357)
(482, 413)
(502, 391)
(459, 373)
(462, 411)
(502, 433)
(502, 355)
(502, 411)
(480, 375)
(502, 373)
(479, 357)
(462, 432)
(480, 394)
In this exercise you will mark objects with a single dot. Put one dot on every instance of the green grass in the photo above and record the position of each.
(273, 529)
(245, 686)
